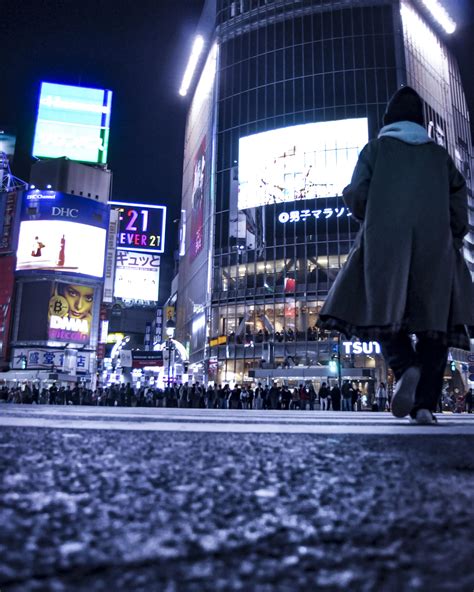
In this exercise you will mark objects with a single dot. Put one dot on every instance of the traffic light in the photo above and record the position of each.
(23, 362)
(453, 366)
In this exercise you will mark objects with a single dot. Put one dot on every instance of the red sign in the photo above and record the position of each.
(7, 283)
(142, 359)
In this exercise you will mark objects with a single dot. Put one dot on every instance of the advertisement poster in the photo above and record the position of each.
(308, 161)
(73, 121)
(60, 232)
(70, 312)
(110, 258)
(197, 213)
(137, 276)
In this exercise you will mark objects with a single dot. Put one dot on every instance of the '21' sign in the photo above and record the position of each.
(141, 227)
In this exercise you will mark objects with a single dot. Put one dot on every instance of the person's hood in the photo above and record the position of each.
(406, 131)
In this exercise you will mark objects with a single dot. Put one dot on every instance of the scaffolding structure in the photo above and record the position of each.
(9, 182)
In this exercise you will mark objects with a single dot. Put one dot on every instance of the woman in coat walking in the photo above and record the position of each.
(405, 272)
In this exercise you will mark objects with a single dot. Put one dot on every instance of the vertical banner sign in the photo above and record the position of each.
(8, 209)
(197, 214)
(110, 256)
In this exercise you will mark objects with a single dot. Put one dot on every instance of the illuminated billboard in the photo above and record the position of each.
(197, 212)
(63, 233)
(55, 311)
(299, 162)
(137, 276)
(70, 312)
(141, 227)
(73, 121)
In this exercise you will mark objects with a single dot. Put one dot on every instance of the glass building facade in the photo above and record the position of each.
(289, 93)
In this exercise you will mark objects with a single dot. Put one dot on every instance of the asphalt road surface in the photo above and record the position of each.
(173, 500)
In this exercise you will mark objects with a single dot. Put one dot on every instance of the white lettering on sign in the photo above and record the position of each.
(361, 347)
(57, 102)
(67, 324)
(297, 215)
(65, 212)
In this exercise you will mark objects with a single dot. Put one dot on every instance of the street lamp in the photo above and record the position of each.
(170, 329)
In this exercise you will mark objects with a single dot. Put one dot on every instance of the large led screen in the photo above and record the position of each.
(137, 276)
(73, 121)
(62, 233)
(141, 227)
(299, 162)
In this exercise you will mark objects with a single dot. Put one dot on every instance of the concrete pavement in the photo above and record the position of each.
(169, 500)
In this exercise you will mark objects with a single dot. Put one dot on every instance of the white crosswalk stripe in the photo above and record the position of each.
(214, 420)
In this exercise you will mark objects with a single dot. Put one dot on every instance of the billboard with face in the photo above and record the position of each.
(308, 161)
(61, 232)
(73, 121)
(70, 312)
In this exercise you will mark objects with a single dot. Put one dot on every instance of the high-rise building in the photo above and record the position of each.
(286, 94)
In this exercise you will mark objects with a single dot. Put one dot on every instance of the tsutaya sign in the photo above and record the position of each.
(361, 347)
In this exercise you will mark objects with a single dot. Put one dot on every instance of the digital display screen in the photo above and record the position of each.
(299, 162)
(60, 232)
(73, 121)
(137, 276)
(70, 310)
(141, 227)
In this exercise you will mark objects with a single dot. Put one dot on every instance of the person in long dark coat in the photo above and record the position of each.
(335, 395)
(405, 273)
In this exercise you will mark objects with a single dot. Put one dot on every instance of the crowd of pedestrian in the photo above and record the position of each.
(303, 397)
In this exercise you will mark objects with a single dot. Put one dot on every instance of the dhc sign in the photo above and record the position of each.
(361, 347)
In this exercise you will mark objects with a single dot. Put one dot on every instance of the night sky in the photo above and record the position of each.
(139, 50)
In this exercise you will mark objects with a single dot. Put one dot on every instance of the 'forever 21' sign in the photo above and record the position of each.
(141, 227)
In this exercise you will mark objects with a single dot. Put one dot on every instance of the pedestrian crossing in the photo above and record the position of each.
(216, 420)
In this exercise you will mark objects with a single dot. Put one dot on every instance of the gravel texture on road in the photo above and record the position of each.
(170, 511)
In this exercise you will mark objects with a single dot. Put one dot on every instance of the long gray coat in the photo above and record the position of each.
(405, 268)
